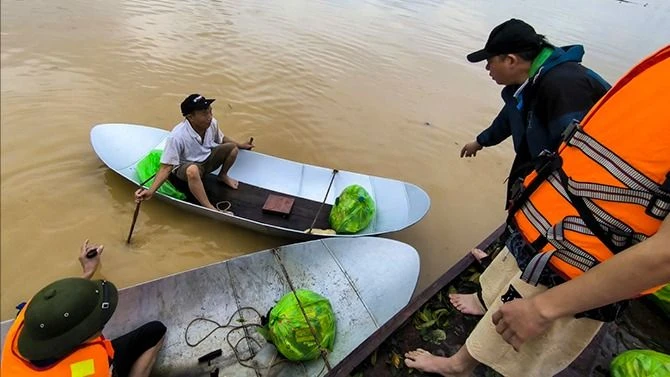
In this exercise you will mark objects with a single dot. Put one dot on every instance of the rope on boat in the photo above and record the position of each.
(240, 359)
(324, 352)
(223, 202)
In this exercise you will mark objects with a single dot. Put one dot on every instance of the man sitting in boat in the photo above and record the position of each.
(59, 332)
(196, 147)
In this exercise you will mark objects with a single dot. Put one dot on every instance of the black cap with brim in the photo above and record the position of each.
(195, 102)
(204, 104)
(512, 36)
(63, 315)
(479, 56)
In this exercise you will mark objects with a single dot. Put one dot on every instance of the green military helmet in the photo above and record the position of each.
(63, 315)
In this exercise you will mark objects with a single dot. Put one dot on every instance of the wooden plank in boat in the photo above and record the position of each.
(248, 201)
(278, 205)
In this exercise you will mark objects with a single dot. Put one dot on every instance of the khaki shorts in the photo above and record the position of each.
(543, 356)
(219, 154)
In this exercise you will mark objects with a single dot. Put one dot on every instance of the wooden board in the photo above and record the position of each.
(248, 201)
(278, 205)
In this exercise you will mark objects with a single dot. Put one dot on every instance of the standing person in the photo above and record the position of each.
(545, 88)
(196, 146)
(59, 332)
(595, 215)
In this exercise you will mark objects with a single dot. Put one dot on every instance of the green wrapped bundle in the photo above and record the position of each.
(353, 211)
(289, 332)
(640, 363)
(662, 299)
(149, 166)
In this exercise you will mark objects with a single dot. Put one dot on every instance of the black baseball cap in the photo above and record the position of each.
(195, 102)
(510, 37)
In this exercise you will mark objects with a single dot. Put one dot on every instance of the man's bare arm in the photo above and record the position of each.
(161, 177)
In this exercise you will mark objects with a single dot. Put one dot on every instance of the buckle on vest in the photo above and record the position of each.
(546, 160)
(659, 203)
(628, 238)
(570, 130)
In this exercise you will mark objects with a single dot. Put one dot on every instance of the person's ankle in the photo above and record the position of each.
(462, 362)
(452, 366)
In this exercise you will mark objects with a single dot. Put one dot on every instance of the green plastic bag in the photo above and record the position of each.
(662, 299)
(640, 363)
(353, 211)
(288, 331)
(148, 166)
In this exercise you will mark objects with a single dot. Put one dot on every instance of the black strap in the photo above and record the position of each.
(521, 167)
(551, 162)
(539, 243)
(665, 186)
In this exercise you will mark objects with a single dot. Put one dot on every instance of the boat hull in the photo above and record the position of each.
(367, 280)
(398, 204)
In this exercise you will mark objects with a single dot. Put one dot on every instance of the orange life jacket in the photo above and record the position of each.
(609, 185)
(90, 359)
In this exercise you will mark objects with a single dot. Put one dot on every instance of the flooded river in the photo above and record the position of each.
(378, 87)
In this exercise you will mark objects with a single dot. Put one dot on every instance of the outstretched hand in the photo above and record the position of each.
(520, 320)
(471, 149)
(89, 258)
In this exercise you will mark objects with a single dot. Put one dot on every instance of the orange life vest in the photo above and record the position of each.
(90, 359)
(609, 185)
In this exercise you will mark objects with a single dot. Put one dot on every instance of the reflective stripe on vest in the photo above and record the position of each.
(609, 186)
(91, 359)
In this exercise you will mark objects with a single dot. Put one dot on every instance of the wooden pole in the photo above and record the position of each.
(137, 210)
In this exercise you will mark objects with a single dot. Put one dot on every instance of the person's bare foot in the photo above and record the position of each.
(230, 182)
(467, 303)
(424, 361)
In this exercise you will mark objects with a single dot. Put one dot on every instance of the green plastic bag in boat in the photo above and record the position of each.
(353, 211)
(288, 331)
(640, 363)
(149, 166)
